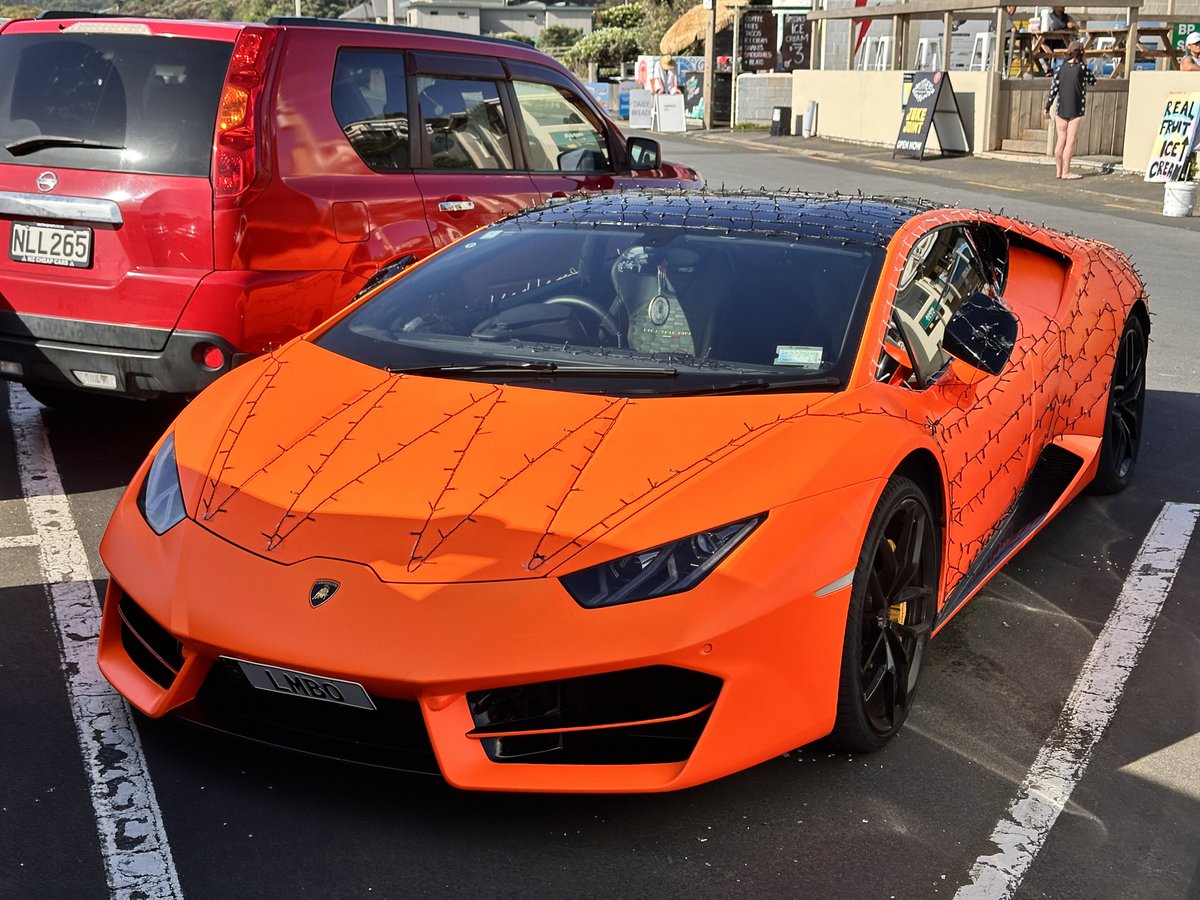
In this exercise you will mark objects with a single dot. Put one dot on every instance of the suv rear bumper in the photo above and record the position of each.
(176, 368)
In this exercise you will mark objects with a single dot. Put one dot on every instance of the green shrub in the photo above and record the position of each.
(559, 36)
(626, 15)
(606, 46)
(513, 36)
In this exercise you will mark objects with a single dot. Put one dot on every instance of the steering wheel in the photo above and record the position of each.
(605, 319)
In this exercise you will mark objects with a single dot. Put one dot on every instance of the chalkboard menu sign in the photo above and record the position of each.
(796, 46)
(756, 41)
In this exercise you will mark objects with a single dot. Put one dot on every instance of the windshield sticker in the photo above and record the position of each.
(790, 355)
(487, 236)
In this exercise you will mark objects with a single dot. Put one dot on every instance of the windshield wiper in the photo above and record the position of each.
(536, 369)
(762, 386)
(29, 145)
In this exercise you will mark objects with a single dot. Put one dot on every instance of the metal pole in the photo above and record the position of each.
(733, 67)
(710, 64)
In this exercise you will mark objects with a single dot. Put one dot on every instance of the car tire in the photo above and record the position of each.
(890, 620)
(1125, 413)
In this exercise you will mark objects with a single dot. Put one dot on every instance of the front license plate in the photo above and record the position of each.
(302, 684)
(49, 244)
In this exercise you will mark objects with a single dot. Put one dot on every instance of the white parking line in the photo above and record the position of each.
(18, 540)
(1088, 710)
(137, 857)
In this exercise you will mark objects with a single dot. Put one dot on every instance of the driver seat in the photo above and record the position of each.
(670, 298)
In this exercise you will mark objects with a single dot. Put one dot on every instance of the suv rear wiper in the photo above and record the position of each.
(541, 369)
(28, 145)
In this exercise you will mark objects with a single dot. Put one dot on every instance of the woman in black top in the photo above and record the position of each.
(1070, 87)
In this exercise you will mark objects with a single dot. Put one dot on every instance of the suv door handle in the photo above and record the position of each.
(456, 205)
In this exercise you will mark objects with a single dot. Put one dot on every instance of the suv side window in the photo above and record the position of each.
(941, 271)
(559, 134)
(465, 124)
(370, 101)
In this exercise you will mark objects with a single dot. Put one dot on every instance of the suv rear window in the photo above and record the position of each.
(112, 102)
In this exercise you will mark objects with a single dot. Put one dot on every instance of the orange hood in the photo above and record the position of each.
(433, 480)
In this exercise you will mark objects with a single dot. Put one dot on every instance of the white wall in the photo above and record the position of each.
(447, 18)
(1147, 97)
(758, 94)
(865, 107)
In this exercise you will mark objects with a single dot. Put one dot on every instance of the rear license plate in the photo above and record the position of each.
(302, 684)
(50, 244)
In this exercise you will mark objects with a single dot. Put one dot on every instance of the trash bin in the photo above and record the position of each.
(781, 121)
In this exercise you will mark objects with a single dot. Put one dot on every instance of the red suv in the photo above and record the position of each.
(178, 196)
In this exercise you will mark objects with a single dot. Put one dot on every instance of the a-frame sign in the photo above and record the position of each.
(931, 102)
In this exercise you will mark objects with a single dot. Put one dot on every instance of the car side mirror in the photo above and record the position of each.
(582, 160)
(981, 333)
(644, 154)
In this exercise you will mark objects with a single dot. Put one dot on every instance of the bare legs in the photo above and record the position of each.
(1064, 146)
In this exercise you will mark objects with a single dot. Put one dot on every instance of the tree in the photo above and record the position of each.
(660, 15)
(605, 46)
(559, 36)
(626, 15)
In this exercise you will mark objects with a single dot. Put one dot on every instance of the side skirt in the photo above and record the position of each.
(1051, 479)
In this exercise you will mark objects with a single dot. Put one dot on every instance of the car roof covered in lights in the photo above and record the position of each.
(839, 217)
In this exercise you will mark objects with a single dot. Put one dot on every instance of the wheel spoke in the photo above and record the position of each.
(876, 681)
(902, 663)
(868, 658)
(909, 546)
(1131, 382)
(887, 567)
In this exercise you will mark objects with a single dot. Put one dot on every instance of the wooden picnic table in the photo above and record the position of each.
(1036, 51)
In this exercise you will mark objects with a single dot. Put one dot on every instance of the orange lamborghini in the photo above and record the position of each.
(625, 493)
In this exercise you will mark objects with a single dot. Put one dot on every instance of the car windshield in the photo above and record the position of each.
(623, 310)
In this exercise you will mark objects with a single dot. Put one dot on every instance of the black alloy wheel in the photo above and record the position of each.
(890, 620)
(1126, 411)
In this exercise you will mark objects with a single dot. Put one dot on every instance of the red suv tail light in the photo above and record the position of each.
(235, 163)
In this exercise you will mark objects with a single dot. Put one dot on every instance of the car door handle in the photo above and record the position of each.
(456, 205)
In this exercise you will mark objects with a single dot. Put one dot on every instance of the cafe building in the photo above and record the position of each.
(999, 60)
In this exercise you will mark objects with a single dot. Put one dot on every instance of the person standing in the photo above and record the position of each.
(1191, 56)
(665, 79)
(1070, 88)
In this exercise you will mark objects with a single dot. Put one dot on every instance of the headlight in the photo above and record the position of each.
(161, 498)
(669, 569)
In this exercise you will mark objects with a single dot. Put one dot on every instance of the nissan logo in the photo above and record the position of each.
(47, 181)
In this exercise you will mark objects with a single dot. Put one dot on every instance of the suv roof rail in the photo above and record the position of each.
(315, 22)
(79, 14)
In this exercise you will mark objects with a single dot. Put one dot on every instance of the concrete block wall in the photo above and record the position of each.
(758, 94)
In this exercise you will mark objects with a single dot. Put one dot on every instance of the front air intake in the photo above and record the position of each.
(640, 716)
(152, 648)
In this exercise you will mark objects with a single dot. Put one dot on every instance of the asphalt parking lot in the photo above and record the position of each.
(1056, 741)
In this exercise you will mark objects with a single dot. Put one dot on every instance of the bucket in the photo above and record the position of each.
(1179, 198)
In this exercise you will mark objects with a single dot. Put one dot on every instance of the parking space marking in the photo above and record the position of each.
(18, 540)
(1089, 708)
(137, 857)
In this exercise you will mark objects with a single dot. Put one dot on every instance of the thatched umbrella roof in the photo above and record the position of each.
(692, 26)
